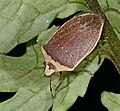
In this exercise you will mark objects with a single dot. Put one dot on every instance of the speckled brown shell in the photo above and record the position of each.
(74, 40)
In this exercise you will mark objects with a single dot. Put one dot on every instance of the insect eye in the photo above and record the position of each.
(48, 66)
(51, 66)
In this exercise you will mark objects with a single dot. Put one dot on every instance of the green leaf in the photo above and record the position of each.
(27, 100)
(31, 59)
(112, 29)
(111, 101)
(45, 35)
(20, 21)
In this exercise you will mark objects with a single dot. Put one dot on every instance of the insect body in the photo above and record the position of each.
(72, 42)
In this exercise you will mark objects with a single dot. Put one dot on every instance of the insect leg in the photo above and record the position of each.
(60, 82)
(51, 89)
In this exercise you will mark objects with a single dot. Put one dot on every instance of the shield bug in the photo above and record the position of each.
(71, 43)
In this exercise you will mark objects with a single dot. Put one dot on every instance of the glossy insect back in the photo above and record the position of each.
(72, 42)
